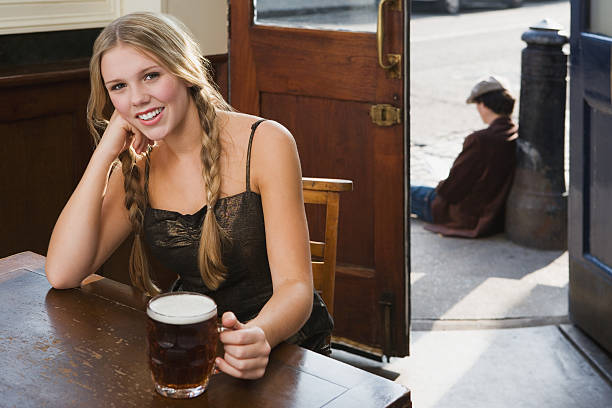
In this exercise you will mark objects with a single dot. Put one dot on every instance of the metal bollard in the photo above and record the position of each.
(536, 209)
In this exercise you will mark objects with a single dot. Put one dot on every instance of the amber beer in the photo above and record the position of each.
(182, 333)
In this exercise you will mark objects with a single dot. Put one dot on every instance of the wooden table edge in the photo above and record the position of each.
(22, 260)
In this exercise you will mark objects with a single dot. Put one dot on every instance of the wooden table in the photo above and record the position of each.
(86, 347)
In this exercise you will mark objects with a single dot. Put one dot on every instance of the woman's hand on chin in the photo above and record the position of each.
(120, 135)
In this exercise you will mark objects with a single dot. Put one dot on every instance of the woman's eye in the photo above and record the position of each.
(117, 87)
(151, 75)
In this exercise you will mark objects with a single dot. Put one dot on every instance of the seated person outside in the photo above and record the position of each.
(471, 201)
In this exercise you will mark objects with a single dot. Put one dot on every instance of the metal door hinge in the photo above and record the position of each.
(385, 115)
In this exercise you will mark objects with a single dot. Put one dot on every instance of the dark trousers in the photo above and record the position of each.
(421, 198)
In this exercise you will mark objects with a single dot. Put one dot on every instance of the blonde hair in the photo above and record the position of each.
(170, 43)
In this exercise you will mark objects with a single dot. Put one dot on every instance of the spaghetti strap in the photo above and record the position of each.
(248, 163)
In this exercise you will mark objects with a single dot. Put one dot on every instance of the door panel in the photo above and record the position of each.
(320, 84)
(306, 116)
(590, 225)
(600, 186)
(293, 63)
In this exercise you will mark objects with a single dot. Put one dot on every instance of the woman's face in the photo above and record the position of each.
(144, 93)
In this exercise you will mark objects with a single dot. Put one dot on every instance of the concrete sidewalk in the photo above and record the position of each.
(490, 280)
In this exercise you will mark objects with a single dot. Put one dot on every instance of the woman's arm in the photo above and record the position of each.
(279, 177)
(94, 222)
(276, 171)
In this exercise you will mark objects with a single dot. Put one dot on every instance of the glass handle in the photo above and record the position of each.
(394, 60)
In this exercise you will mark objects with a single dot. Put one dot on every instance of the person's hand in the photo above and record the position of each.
(120, 135)
(246, 349)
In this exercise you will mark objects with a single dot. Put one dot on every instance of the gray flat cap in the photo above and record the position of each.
(485, 85)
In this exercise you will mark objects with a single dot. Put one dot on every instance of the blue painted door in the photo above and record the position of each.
(590, 204)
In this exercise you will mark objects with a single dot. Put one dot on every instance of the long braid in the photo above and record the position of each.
(210, 251)
(135, 202)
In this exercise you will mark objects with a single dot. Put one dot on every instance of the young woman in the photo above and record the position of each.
(215, 194)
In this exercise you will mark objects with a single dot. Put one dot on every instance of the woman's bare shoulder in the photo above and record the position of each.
(237, 128)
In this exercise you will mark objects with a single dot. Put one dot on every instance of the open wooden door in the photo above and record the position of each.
(324, 82)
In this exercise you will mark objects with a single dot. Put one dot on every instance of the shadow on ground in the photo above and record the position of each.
(485, 278)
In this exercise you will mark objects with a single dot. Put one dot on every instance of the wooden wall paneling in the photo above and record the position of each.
(244, 95)
(220, 73)
(45, 146)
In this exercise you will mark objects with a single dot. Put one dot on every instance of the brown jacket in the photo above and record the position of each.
(471, 201)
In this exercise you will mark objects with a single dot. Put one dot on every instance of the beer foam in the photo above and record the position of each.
(182, 308)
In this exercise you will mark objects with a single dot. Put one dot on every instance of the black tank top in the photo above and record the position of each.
(173, 238)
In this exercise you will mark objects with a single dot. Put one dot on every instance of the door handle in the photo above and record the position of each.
(393, 64)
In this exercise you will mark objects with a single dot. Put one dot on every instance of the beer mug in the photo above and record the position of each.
(182, 334)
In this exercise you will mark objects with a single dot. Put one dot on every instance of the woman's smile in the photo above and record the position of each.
(151, 116)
